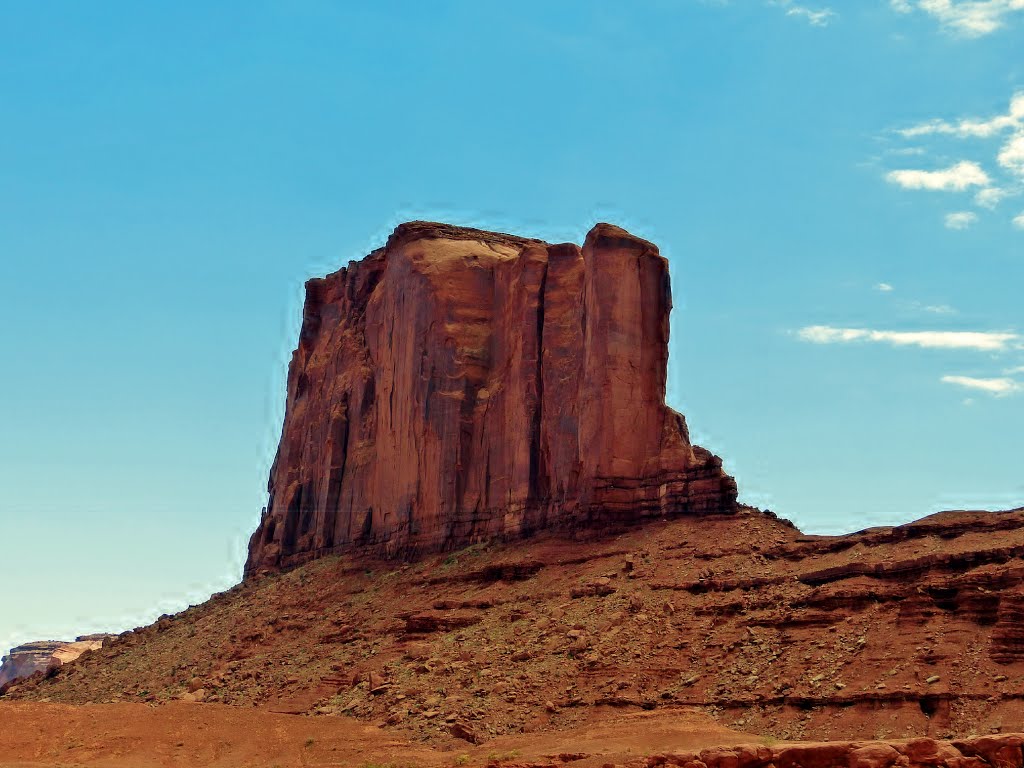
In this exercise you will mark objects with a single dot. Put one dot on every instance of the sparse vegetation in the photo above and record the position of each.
(498, 757)
(454, 558)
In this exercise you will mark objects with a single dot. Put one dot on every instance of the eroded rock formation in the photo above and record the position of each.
(459, 385)
(43, 655)
(1004, 751)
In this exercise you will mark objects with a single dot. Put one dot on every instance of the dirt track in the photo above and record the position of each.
(215, 735)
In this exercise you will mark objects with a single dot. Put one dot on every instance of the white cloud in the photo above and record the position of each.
(1011, 156)
(960, 219)
(963, 129)
(997, 386)
(969, 18)
(972, 127)
(1018, 220)
(957, 177)
(1012, 371)
(926, 129)
(883, 287)
(990, 197)
(990, 341)
(1007, 168)
(816, 17)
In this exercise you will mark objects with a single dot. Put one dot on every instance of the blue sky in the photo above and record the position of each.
(838, 186)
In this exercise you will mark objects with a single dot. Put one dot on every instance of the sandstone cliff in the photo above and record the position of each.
(43, 655)
(458, 385)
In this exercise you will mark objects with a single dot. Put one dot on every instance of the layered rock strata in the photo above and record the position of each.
(457, 386)
(43, 655)
(1003, 751)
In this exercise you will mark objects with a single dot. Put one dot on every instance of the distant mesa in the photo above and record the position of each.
(43, 655)
(458, 386)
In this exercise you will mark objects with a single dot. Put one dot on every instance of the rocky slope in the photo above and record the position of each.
(458, 385)
(44, 655)
(889, 633)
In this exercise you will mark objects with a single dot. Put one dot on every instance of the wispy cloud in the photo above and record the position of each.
(990, 197)
(1007, 167)
(931, 309)
(937, 309)
(960, 219)
(956, 178)
(908, 151)
(968, 18)
(816, 17)
(916, 306)
(999, 387)
(985, 341)
(1018, 220)
(971, 127)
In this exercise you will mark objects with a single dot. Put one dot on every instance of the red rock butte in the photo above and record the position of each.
(458, 386)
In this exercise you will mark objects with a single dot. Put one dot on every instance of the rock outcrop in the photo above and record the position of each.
(1003, 751)
(44, 655)
(458, 385)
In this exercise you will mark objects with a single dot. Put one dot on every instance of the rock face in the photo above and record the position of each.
(458, 385)
(43, 655)
(1003, 751)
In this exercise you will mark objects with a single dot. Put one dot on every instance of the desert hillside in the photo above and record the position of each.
(887, 633)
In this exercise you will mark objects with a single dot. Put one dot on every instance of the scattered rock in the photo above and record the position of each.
(463, 731)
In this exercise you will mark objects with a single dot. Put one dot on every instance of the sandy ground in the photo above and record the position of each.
(136, 735)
